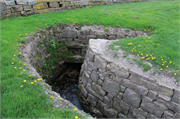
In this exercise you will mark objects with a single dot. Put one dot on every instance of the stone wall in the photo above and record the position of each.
(15, 8)
(75, 38)
(113, 90)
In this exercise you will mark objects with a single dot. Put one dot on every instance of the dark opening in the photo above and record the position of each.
(15, 2)
(48, 4)
(60, 5)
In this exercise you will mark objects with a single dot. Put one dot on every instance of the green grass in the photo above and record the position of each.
(146, 67)
(26, 102)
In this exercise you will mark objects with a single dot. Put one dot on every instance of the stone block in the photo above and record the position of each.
(131, 98)
(52, 9)
(151, 86)
(121, 106)
(176, 97)
(112, 38)
(100, 82)
(82, 37)
(94, 76)
(91, 37)
(176, 116)
(83, 91)
(159, 109)
(98, 89)
(92, 92)
(53, 4)
(168, 114)
(40, 6)
(9, 3)
(137, 79)
(120, 95)
(32, 2)
(122, 88)
(16, 8)
(34, 12)
(128, 83)
(107, 101)
(118, 70)
(141, 90)
(11, 15)
(109, 112)
(92, 66)
(152, 95)
(118, 80)
(120, 35)
(173, 106)
(43, 11)
(165, 91)
(147, 105)
(120, 115)
(135, 112)
(27, 7)
(110, 86)
(100, 63)
(166, 98)
(84, 32)
(109, 96)
(22, 2)
(3, 9)
(152, 116)
(92, 100)
(69, 33)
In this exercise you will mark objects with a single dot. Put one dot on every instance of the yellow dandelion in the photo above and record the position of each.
(143, 38)
(19, 34)
(14, 55)
(46, 24)
(145, 35)
(139, 45)
(19, 61)
(162, 64)
(16, 39)
(52, 97)
(35, 81)
(12, 62)
(170, 62)
(24, 70)
(23, 64)
(21, 86)
(127, 37)
(167, 66)
(169, 71)
(19, 52)
(17, 45)
(13, 58)
(39, 79)
(141, 53)
(26, 34)
(144, 29)
(75, 109)
(15, 67)
(126, 47)
(20, 68)
(29, 75)
(60, 98)
(140, 35)
(24, 80)
(146, 55)
(148, 30)
(142, 57)
(161, 69)
(20, 44)
(32, 82)
(137, 54)
(177, 70)
(76, 117)
(162, 59)
(175, 74)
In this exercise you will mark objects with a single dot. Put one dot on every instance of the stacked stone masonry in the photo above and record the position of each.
(16, 8)
(116, 92)
(76, 40)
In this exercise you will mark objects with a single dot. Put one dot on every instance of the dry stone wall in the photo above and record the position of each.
(15, 8)
(75, 38)
(115, 91)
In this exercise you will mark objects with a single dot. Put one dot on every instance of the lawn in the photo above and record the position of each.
(160, 19)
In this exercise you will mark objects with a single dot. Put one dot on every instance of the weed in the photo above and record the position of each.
(22, 40)
(93, 83)
(146, 67)
(115, 55)
(106, 30)
(119, 89)
(39, 45)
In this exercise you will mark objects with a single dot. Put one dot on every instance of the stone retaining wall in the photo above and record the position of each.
(15, 8)
(76, 40)
(110, 89)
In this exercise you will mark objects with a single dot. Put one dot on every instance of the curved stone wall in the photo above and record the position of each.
(110, 88)
(15, 8)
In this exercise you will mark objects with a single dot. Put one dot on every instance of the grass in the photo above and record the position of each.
(30, 101)
(146, 67)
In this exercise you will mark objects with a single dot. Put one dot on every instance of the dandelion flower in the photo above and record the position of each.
(177, 70)
(144, 29)
(21, 86)
(76, 117)
(141, 53)
(32, 82)
(145, 35)
(170, 62)
(140, 35)
(46, 24)
(23, 64)
(15, 67)
(24, 70)
(175, 74)
(16, 39)
(167, 66)
(161, 69)
(162, 64)
(148, 30)
(12, 62)
(75, 109)
(19, 34)
(169, 71)
(127, 36)
(26, 34)
(24, 80)
(142, 57)
(52, 97)
(137, 54)
(146, 55)
(19, 52)
(35, 81)
(19, 61)
(139, 45)
(14, 55)
(60, 98)
(29, 75)
(13, 58)
(39, 79)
